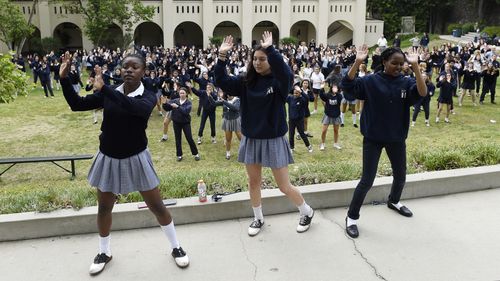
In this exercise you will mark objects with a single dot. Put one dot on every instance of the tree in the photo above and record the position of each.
(13, 26)
(101, 14)
(13, 81)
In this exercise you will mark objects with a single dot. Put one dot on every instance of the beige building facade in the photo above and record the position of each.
(191, 22)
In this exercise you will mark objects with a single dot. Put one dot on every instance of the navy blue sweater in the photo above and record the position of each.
(263, 114)
(297, 106)
(206, 101)
(180, 114)
(332, 103)
(125, 119)
(230, 110)
(386, 112)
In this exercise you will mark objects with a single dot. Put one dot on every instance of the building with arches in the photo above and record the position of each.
(193, 22)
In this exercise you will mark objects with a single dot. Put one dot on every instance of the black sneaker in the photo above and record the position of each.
(342, 125)
(99, 263)
(355, 125)
(180, 257)
(197, 157)
(305, 222)
(255, 227)
(309, 135)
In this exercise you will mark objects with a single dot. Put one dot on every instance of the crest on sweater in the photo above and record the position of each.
(269, 91)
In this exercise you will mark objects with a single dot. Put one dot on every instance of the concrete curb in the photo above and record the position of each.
(189, 210)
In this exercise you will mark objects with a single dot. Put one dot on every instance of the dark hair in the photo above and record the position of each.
(386, 54)
(137, 56)
(251, 77)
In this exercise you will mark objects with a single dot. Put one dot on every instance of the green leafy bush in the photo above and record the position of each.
(468, 27)
(216, 40)
(453, 26)
(289, 40)
(492, 30)
(13, 81)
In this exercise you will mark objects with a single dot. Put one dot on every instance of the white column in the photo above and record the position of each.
(43, 14)
(208, 25)
(286, 6)
(358, 36)
(322, 25)
(168, 23)
(246, 22)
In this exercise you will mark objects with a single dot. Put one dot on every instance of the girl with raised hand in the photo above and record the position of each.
(123, 163)
(388, 96)
(263, 95)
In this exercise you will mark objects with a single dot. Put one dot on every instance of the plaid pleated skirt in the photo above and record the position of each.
(272, 153)
(122, 176)
(231, 125)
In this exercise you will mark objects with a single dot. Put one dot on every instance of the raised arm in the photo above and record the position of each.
(412, 59)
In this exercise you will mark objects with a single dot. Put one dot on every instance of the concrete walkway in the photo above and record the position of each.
(453, 237)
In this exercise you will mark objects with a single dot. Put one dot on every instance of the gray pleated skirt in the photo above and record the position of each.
(272, 153)
(327, 120)
(232, 125)
(122, 176)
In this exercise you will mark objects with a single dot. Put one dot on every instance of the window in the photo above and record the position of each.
(237, 9)
(216, 9)
(370, 29)
(366, 28)
(55, 10)
(158, 9)
(341, 9)
(227, 9)
(331, 8)
(232, 9)
(313, 8)
(265, 9)
(198, 9)
(335, 8)
(375, 29)
(261, 9)
(276, 8)
(308, 9)
(182, 9)
(24, 10)
(60, 10)
(294, 9)
(350, 8)
(29, 10)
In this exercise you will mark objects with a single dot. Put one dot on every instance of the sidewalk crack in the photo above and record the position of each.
(245, 252)
(379, 276)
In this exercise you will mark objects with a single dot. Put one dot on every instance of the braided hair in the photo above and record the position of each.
(386, 54)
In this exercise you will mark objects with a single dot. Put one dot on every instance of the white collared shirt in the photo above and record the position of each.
(138, 92)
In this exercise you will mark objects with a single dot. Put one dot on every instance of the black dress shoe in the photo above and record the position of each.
(351, 230)
(402, 211)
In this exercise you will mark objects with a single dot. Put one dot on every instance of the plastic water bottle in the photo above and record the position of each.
(202, 191)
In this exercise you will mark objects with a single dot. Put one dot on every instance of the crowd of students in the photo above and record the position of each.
(253, 86)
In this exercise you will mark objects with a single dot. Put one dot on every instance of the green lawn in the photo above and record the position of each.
(36, 126)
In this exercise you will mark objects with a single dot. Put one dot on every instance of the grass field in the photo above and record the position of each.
(36, 126)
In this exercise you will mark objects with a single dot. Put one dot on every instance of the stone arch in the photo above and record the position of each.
(228, 28)
(69, 35)
(304, 31)
(188, 33)
(148, 34)
(340, 32)
(262, 26)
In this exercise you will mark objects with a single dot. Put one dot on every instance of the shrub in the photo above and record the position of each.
(468, 27)
(13, 81)
(289, 40)
(216, 40)
(492, 30)
(453, 26)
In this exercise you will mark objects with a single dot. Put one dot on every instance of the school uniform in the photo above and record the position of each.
(123, 163)
(263, 115)
(231, 121)
(296, 114)
(332, 108)
(489, 84)
(181, 117)
(424, 102)
(44, 74)
(446, 92)
(384, 124)
(207, 102)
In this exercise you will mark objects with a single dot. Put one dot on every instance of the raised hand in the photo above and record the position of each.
(66, 64)
(227, 44)
(267, 39)
(98, 82)
(412, 57)
(361, 53)
(189, 85)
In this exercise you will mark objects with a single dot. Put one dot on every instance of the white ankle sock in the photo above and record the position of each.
(169, 231)
(354, 119)
(304, 209)
(228, 153)
(351, 221)
(397, 205)
(165, 136)
(257, 212)
(105, 245)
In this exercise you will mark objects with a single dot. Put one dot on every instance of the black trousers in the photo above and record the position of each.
(47, 88)
(478, 83)
(204, 116)
(416, 107)
(488, 87)
(299, 124)
(371, 154)
(186, 127)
